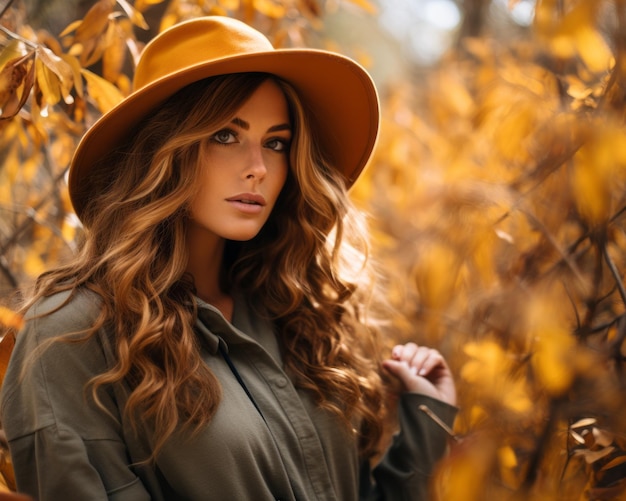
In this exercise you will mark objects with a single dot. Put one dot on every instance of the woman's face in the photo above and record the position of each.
(244, 168)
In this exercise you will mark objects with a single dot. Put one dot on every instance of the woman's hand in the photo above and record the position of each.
(422, 370)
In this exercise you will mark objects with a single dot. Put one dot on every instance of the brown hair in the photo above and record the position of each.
(134, 257)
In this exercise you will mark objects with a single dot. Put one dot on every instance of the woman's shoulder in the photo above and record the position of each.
(58, 339)
(64, 312)
(47, 372)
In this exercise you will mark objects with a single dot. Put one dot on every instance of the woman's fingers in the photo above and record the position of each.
(421, 369)
(421, 358)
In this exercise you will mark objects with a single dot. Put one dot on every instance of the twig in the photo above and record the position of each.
(29, 220)
(564, 257)
(15, 36)
(4, 9)
(615, 272)
(6, 271)
(542, 446)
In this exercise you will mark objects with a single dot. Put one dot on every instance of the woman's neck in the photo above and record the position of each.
(204, 264)
(224, 304)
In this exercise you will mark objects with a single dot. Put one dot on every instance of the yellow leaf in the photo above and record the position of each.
(61, 149)
(489, 371)
(68, 230)
(95, 21)
(477, 415)
(76, 50)
(551, 359)
(11, 319)
(602, 438)
(614, 462)
(516, 127)
(553, 345)
(16, 81)
(74, 65)
(134, 48)
(33, 264)
(59, 67)
(54, 63)
(582, 423)
(37, 134)
(367, 6)
(231, 5)
(488, 360)
(124, 84)
(67, 202)
(436, 274)
(457, 97)
(270, 8)
(133, 14)
(6, 194)
(593, 456)
(30, 166)
(114, 54)
(576, 34)
(507, 462)
(478, 47)
(515, 396)
(13, 50)
(167, 21)
(142, 5)
(591, 185)
(70, 27)
(577, 437)
(48, 83)
(46, 39)
(104, 93)
(562, 46)
(10, 133)
(507, 457)
(10, 168)
(577, 88)
(92, 50)
(463, 473)
(7, 343)
(593, 50)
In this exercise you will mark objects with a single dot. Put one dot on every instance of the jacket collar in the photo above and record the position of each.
(215, 329)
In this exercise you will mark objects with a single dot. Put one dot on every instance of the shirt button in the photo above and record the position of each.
(281, 382)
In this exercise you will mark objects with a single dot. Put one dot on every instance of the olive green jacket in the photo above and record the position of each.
(65, 447)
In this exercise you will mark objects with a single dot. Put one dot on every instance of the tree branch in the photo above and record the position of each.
(614, 272)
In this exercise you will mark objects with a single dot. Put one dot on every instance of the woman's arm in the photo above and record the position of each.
(406, 469)
(63, 446)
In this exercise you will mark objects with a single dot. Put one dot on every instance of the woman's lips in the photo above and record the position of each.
(249, 203)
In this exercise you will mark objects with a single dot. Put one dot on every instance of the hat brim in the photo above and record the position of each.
(338, 92)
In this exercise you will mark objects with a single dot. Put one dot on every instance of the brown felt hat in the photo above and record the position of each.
(338, 92)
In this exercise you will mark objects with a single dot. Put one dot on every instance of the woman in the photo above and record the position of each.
(206, 342)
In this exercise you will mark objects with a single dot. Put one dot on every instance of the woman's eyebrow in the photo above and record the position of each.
(276, 128)
(240, 122)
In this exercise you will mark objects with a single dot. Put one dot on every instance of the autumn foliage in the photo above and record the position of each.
(497, 196)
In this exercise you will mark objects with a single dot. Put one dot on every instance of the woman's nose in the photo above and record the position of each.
(255, 168)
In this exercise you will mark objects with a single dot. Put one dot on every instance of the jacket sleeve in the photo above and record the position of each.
(405, 471)
(63, 446)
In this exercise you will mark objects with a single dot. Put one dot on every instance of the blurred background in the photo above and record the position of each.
(495, 197)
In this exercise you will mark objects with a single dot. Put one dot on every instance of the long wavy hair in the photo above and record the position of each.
(299, 270)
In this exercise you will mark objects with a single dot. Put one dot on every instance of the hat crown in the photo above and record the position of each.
(196, 42)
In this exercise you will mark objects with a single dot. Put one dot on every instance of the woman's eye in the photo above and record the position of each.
(224, 137)
(278, 144)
